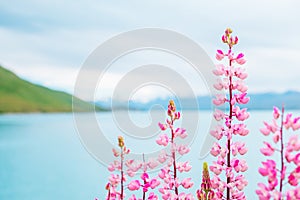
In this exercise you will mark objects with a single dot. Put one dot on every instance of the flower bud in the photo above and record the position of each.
(228, 31)
(121, 141)
(107, 187)
(236, 39)
(172, 106)
(224, 38)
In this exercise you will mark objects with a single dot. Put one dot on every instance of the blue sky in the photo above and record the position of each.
(46, 42)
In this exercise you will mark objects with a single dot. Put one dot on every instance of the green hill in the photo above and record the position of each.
(17, 95)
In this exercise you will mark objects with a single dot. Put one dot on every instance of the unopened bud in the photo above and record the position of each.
(121, 141)
(224, 38)
(228, 31)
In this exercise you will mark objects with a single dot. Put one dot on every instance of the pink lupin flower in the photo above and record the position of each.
(152, 196)
(263, 192)
(241, 147)
(162, 157)
(241, 74)
(220, 99)
(240, 59)
(265, 131)
(163, 140)
(183, 149)
(218, 115)
(219, 55)
(275, 173)
(288, 121)
(216, 168)
(296, 159)
(224, 38)
(242, 98)
(133, 197)
(241, 114)
(134, 185)
(162, 126)
(220, 70)
(115, 152)
(293, 143)
(217, 133)
(184, 167)
(296, 124)
(215, 150)
(276, 113)
(180, 132)
(268, 150)
(186, 183)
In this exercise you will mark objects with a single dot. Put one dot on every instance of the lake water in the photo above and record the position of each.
(42, 158)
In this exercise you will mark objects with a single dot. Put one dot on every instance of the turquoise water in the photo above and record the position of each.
(42, 158)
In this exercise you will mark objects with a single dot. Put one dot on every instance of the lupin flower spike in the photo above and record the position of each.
(289, 158)
(231, 80)
(169, 174)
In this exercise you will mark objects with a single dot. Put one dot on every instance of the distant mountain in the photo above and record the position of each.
(18, 95)
(263, 101)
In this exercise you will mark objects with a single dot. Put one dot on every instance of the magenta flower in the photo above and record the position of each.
(268, 150)
(134, 185)
(180, 132)
(219, 55)
(162, 126)
(186, 183)
(240, 59)
(146, 182)
(277, 173)
(163, 140)
(183, 149)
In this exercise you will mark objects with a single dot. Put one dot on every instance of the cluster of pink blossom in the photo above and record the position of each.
(146, 182)
(168, 174)
(231, 79)
(289, 155)
(118, 179)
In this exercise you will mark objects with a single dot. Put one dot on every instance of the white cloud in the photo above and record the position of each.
(48, 42)
(273, 69)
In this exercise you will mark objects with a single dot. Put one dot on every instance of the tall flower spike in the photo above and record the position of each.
(231, 79)
(169, 174)
(289, 159)
(116, 180)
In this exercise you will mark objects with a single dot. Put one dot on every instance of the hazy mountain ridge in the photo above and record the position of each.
(259, 101)
(18, 95)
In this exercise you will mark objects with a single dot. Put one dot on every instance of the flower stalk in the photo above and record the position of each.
(289, 158)
(231, 79)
